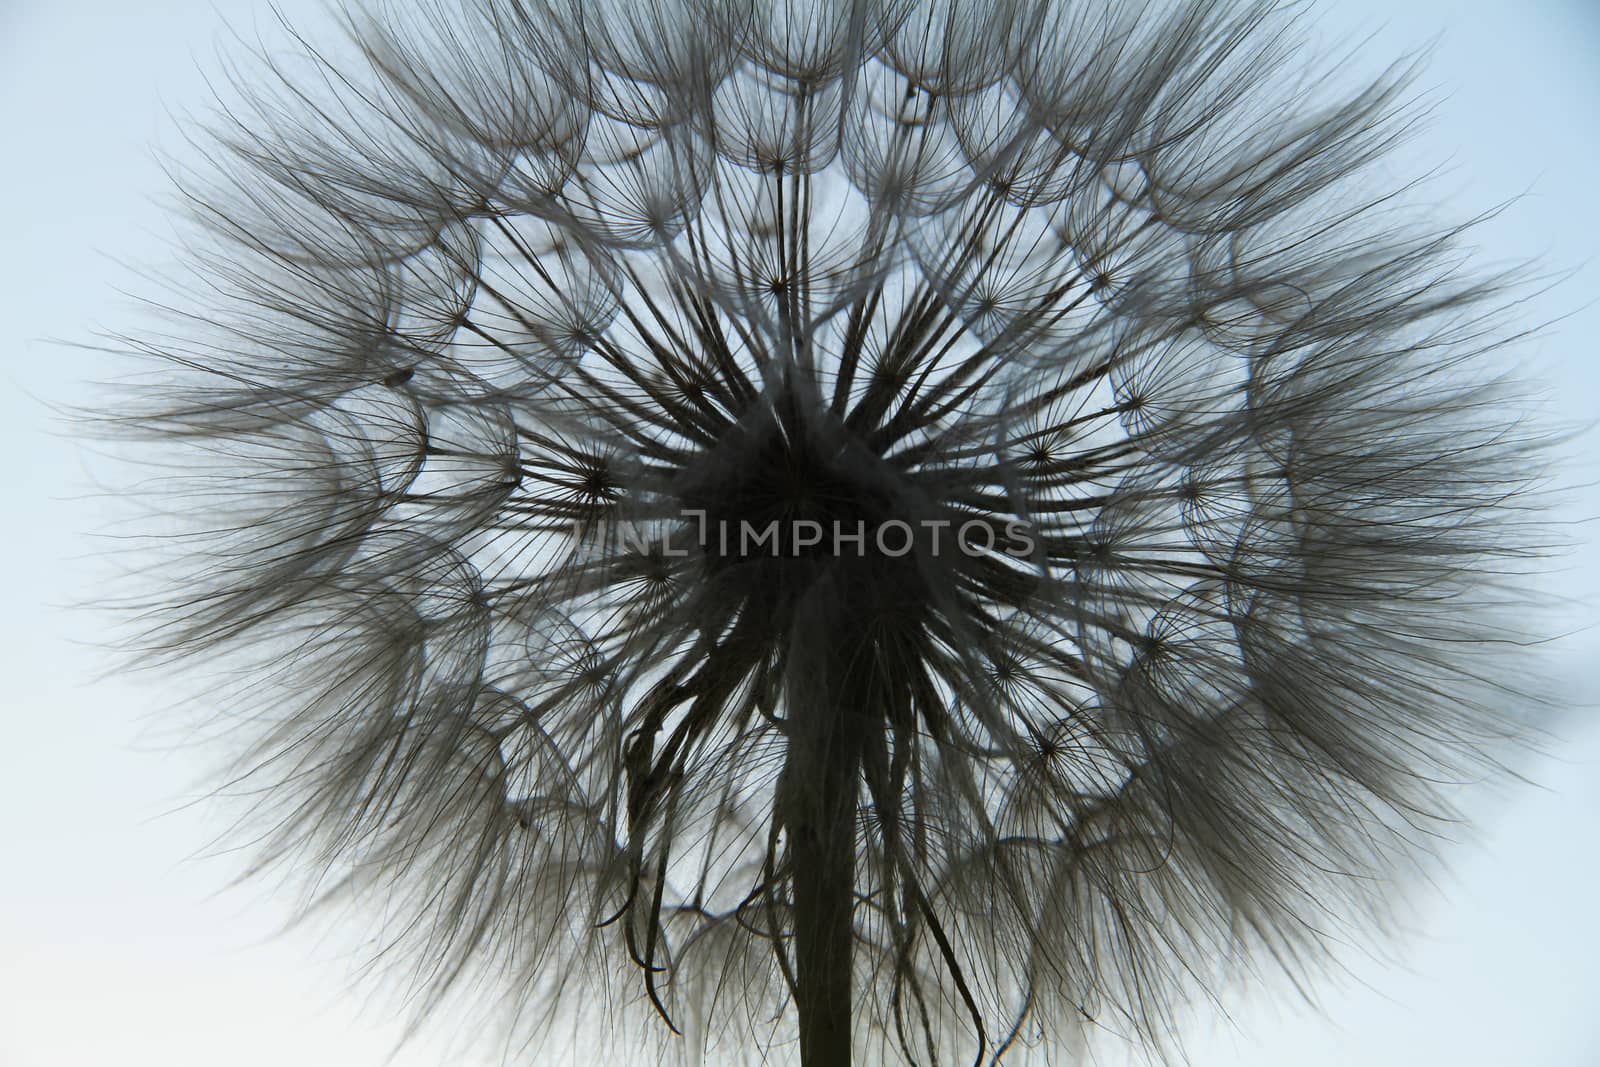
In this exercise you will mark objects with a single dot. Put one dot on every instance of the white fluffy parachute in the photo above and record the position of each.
(853, 531)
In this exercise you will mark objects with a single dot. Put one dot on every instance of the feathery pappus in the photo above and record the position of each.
(851, 531)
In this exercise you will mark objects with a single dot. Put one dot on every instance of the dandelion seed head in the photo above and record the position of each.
(539, 358)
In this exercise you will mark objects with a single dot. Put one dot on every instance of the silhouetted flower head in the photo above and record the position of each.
(706, 497)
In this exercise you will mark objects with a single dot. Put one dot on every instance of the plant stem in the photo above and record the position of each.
(831, 689)
(823, 847)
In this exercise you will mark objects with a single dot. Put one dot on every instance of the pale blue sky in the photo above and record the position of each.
(117, 946)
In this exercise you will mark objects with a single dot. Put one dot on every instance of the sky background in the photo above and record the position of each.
(120, 944)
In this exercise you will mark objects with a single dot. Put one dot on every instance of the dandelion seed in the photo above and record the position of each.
(859, 531)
